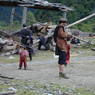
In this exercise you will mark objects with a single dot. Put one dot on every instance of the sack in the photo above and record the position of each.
(55, 33)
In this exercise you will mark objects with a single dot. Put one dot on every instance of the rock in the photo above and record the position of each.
(65, 94)
(12, 89)
(47, 94)
(11, 57)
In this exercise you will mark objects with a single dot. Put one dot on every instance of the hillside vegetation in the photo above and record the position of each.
(82, 8)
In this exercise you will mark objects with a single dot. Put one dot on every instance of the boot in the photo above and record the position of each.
(19, 68)
(24, 68)
(62, 75)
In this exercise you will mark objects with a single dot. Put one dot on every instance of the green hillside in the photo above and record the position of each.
(82, 8)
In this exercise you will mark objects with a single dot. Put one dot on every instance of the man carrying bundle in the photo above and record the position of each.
(62, 49)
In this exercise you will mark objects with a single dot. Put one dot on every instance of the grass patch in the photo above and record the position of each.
(41, 55)
(3, 86)
(27, 92)
(36, 88)
(7, 59)
(48, 55)
(82, 91)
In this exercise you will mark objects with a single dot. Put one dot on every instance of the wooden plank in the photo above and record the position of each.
(8, 3)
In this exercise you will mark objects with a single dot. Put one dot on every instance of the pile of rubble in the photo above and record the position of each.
(7, 44)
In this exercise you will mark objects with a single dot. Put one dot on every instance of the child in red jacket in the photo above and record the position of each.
(23, 57)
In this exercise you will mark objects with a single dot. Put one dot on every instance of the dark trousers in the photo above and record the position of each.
(30, 55)
(39, 46)
(62, 57)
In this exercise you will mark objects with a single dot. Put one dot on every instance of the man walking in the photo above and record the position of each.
(27, 40)
(60, 38)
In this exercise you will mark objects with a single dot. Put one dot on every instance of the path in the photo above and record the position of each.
(81, 72)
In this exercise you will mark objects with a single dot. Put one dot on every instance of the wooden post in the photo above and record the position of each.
(24, 16)
(12, 15)
(65, 15)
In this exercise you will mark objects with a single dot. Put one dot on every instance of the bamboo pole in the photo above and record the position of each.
(81, 20)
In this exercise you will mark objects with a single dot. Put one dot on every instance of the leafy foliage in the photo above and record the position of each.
(30, 18)
(10, 27)
(82, 8)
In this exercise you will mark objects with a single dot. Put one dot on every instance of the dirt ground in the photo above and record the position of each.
(44, 69)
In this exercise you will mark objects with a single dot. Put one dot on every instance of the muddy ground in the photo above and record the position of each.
(44, 69)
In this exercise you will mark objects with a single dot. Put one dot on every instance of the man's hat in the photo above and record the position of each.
(63, 20)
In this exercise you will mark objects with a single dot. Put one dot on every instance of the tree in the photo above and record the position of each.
(31, 18)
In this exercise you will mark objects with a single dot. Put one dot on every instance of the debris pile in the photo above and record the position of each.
(7, 44)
